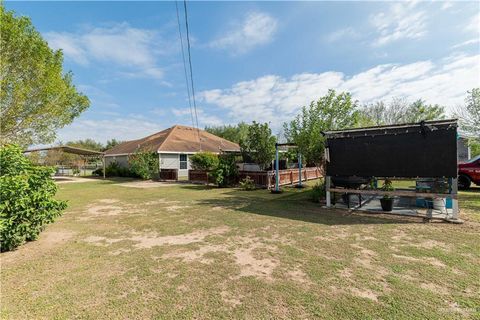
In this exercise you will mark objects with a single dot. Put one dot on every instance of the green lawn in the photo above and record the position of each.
(186, 251)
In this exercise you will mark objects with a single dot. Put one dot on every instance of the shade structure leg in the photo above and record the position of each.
(328, 193)
(103, 163)
(277, 176)
(300, 170)
(454, 191)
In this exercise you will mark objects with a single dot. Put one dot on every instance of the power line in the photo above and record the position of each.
(185, 66)
(191, 71)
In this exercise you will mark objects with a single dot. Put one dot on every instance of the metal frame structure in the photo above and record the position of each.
(74, 150)
(277, 173)
(356, 134)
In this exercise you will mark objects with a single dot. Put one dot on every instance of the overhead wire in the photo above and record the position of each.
(185, 66)
(191, 71)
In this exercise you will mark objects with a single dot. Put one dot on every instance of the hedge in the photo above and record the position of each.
(27, 198)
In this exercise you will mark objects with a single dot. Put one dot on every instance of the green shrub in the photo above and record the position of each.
(205, 161)
(75, 171)
(226, 172)
(318, 192)
(144, 165)
(97, 172)
(26, 194)
(248, 184)
(115, 170)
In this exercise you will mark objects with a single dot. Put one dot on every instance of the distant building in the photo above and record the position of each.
(174, 147)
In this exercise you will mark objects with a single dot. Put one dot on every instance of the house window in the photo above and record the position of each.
(183, 161)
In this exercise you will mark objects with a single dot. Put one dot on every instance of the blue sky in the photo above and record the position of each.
(254, 60)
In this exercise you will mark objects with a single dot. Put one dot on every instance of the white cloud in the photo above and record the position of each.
(204, 119)
(102, 130)
(341, 34)
(277, 99)
(129, 47)
(466, 43)
(400, 21)
(447, 5)
(256, 29)
(474, 24)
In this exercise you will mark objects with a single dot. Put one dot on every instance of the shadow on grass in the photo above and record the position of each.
(293, 204)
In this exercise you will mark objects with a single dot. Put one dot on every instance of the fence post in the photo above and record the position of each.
(300, 170)
(328, 194)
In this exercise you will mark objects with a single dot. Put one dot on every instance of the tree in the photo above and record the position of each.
(259, 144)
(88, 144)
(111, 143)
(233, 133)
(36, 98)
(469, 114)
(331, 112)
(420, 111)
(399, 111)
(143, 164)
(27, 198)
(204, 161)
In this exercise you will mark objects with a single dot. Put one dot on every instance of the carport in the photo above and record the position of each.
(84, 153)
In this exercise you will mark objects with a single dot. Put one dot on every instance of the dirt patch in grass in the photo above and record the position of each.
(430, 260)
(144, 184)
(176, 208)
(230, 299)
(146, 241)
(47, 241)
(159, 201)
(251, 265)
(102, 208)
(298, 275)
(364, 293)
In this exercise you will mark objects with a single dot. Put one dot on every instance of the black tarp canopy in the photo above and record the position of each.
(425, 149)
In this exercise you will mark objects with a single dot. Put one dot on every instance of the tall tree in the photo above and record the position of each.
(111, 143)
(36, 97)
(233, 133)
(332, 111)
(400, 111)
(469, 114)
(88, 144)
(259, 144)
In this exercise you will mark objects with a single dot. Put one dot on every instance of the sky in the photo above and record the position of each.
(257, 61)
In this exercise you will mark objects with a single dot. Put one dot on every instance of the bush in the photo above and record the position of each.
(226, 172)
(205, 161)
(26, 194)
(97, 172)
(144, 165)
(318, 192)
(248, 184)
(115, 170)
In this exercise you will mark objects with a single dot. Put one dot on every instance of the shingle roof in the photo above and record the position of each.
(176, 139)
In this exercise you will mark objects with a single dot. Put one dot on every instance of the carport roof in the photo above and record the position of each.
(68, 149)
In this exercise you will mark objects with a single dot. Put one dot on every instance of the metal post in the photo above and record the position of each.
(300, 170)
(328, 194)
(277, 177)
(454, 192)
(103, 163)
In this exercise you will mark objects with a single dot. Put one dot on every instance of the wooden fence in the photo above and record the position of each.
(168, 174)
(265, 179)
(198, 176)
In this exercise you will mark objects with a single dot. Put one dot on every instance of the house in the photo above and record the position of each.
(174, 147)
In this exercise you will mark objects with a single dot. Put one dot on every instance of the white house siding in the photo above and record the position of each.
(172, 161)
(121, 160)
